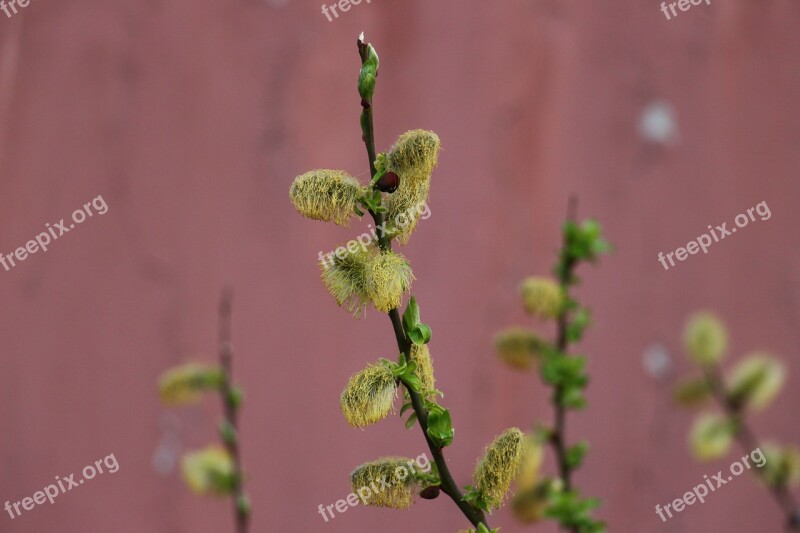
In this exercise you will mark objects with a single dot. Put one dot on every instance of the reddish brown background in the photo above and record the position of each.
(191, 118)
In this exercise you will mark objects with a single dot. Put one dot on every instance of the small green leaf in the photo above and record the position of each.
(575, 454)
(412, 381)
(406, 407)
(236, 397)
(411, 421)
(411, 314)
(580, 321)
(420, 334)
(440, 426)
(227, 432)
(243, 504)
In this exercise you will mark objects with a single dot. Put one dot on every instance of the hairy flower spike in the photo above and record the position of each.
(422, 356)
(182, 385)
(413, 158)
(705, 338)
(388, 277)
(529, 505)
(346, 280)
(209, 471)
(756, 380)
(711, 436)
(499, 466)
(398, 488)
(542, 297)
(518, 347)
(780, 466)
(328, 195)
(531, 462)
(369, 395)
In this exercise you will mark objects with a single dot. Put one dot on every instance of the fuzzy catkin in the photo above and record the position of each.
(422, 356)
(529, 505)
(498, 467)
(413, 158)
(388, 277)
(711, 436)
(346, 280)
(328, 195)
(518, 347)
(756, 380)
(209, 471)
(182, 385)
(398, 489)
(705, 338)
(369, 396)
(542, 297)
(779, 466)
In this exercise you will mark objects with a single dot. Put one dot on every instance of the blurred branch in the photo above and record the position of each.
(231, 401)
(749, 442)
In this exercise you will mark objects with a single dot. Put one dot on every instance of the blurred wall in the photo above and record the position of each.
(191, 118)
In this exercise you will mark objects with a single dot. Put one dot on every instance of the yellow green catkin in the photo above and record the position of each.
(413, 158)
(399, 483)
(369, 395)
(756, 380)
(346, 280)
(780, 466)
(184, 384)
(388, 277)
(518, 347)
(711, 436)
(705, 338)
(693, 392)
(328, 195)
(542, 297)
(498, 467)
(531, 462)
(422, 356)
(209, 471)
(529, 505)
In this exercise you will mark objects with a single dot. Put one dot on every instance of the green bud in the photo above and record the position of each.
(705, 338)
(711, 436)
(756, 380)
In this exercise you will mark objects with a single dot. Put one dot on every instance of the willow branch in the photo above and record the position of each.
(448, 484)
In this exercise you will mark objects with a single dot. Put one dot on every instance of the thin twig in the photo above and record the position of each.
(230, 408)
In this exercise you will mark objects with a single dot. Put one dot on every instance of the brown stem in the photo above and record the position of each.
(241, 511)
(748, 442)
(448, 484)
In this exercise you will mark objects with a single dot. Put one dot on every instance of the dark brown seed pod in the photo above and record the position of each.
(388, 182)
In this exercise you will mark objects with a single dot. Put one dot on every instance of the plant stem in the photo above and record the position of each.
(448, 484)
(748, 442)
(559, 437)
(231, 409)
